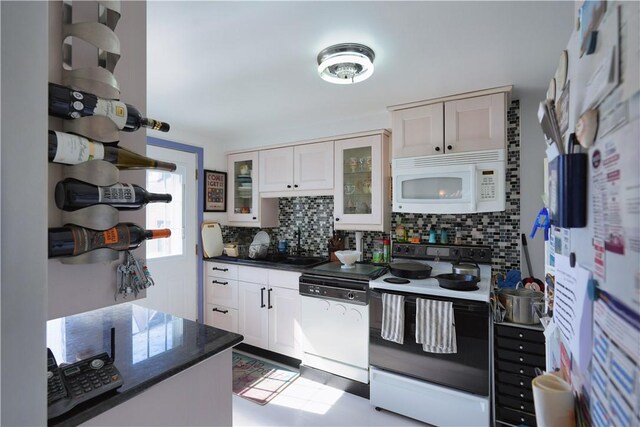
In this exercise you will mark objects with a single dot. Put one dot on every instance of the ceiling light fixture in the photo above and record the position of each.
(346, 63)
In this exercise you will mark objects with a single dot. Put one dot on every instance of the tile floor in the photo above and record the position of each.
(308, 403)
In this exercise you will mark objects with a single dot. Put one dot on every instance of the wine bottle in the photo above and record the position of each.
(73, 240)
(72, 149)
(72, 194)
(69, 104)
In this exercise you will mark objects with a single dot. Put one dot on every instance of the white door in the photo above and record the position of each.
(418, 131)
(284, 322)
(276, 169)
(253, 318)
(173, 262)
(313, 166)
(474, 124)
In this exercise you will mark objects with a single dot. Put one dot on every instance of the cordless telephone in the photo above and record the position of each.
(70, 385)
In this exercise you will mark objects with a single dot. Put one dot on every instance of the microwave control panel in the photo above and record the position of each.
(488, 180)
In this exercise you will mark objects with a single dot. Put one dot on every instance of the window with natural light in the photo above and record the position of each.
(166, 215)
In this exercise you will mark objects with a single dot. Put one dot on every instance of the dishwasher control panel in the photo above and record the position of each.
(353, 296)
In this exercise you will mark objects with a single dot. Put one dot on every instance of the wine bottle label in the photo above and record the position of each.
(74, 149)
(115, 110)
(117, 193)
(110, 236)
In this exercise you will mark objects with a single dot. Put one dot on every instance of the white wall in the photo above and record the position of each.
(24, 212)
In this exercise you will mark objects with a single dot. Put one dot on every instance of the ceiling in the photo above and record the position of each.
(243, 74)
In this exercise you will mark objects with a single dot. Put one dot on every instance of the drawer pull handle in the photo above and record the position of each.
(520, 347)
(520, 335)
(220, 269)
(220, 311)
(220, 283)
(522, 359)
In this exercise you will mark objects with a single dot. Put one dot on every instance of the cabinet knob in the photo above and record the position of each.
(254, 218)
(289, 186)
(449, 147)
(295, 186)
(437, 148)
(337, 219)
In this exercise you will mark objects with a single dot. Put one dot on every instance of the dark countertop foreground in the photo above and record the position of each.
(150, 347)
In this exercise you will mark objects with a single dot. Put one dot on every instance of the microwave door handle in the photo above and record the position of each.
(473, 189)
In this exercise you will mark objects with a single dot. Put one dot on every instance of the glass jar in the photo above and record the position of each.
(377, 254)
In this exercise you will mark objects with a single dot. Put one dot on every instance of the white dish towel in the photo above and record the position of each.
(393, 317)
(435, 326)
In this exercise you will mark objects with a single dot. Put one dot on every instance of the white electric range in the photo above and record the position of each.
(439, 389)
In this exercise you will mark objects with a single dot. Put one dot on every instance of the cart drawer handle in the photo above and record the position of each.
(220, 269)
(220, 283)
(220, 311)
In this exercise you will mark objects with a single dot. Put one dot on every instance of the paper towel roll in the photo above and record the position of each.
(553, 400)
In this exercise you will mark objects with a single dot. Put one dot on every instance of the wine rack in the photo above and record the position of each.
(100, 81)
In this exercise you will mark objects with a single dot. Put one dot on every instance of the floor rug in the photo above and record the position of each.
(258, 380)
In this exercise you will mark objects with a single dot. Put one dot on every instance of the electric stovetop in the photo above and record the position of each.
(359, 271)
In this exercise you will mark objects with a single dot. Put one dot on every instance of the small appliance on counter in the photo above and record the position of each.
(211, 239)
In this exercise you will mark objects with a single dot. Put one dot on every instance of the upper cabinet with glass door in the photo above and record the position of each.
(245, 206)
(361, 198)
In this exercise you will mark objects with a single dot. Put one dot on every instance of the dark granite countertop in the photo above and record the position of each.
(150, 347)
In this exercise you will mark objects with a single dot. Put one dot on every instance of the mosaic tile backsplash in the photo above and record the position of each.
(313, 217)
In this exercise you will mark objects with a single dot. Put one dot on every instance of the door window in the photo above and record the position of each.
(166, 215)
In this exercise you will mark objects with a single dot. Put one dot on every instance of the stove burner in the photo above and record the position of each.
(397, 280)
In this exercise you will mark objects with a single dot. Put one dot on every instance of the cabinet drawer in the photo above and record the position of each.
(222, 270)
(222, 317)
(524, 358)
(253, 275)
(514, 403)
(221, 291)
(516, 392)
(514, 417)
(520, 333)
(517, 368)
(513, 379)
(520, 346)
(284, 279)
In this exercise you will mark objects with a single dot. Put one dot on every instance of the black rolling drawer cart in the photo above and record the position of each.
(518, 351)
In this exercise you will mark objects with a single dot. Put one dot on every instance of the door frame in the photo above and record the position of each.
(199, 152)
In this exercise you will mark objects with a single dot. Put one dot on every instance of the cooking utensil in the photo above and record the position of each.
(410, 270)
(471, 267)
(530, 282)
(521, 304)
(458, 282)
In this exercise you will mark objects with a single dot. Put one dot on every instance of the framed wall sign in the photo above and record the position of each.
(215, 191)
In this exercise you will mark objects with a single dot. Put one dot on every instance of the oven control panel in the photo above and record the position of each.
(353, 296)
(479, 254)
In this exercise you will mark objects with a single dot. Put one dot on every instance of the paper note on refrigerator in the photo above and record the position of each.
(573, 310)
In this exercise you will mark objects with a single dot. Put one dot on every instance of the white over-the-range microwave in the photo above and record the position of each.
(468, 182)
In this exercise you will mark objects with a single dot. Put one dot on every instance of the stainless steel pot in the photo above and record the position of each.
(521, 304)
(470, 268)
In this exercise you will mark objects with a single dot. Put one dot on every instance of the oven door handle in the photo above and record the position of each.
(411, 299)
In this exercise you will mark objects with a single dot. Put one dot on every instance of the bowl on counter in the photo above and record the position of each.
(348, 258)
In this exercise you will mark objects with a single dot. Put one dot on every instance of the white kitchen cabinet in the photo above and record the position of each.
(221, 295)
(361, 197)
(297, 170)
(246, 208)
(418, 131)
(467, 122)
(269, 310)
(474, 124)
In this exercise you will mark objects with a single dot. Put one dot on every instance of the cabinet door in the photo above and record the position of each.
(276, 169)
(474, 124)
(313, 166)
(284, 322)
(418, 131)
(222, 317)
(242, 187)
(253, 316)
(358, 195)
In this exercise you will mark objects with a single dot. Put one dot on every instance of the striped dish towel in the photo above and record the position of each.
(393, 318)
(435, 326)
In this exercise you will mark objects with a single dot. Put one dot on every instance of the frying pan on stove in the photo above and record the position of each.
(458, 282)
(410, 270)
